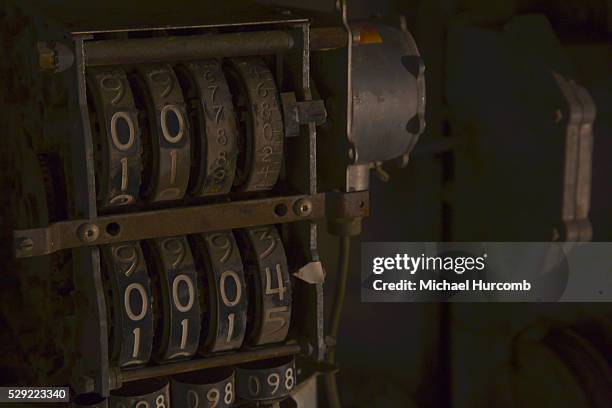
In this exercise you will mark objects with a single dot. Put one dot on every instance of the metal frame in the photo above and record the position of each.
(287, 39)
(93, 338)
(87, 229)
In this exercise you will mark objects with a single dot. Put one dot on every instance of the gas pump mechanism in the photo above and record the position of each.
(166, 170)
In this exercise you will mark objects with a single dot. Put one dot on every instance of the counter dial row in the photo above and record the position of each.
(261, 383)
(170, 298)
(196, 129)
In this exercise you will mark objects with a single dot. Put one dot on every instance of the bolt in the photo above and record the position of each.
(352, 154)
(302, 207)
(88, 232)
(54, 57)
(26, 244)
(46, 57)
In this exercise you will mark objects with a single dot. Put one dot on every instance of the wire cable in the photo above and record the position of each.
(333, 397)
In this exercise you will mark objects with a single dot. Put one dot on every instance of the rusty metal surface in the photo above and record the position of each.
(180, 221)
(347, 205)
(208, 362)
(187, 48)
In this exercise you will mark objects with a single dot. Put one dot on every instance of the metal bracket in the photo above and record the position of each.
(578, 161)
(301, 113)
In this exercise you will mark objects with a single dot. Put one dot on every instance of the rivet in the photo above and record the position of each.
(88, 232)
(302, 207)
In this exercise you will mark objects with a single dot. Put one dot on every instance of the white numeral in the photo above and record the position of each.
(289, 379)
(254, 385)
(136, 347)
(192, 399)
(230, 330)
(143, 297)
(184, 332)
(224, 296)
(281, 289)
(124, 174)
(213, 397)
(115, 137)
(164, 124)
(175, 297)
(229, 393)
(274, 381)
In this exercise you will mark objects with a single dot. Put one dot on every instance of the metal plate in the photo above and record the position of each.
(215, 134)
(130, 302)
(261, 154)
(269, 285)
(224, 287)
(153, 393)
(388, 95)
(166, 138)
(117, 136)
(177, 328)
(266, 380)
(204, 388)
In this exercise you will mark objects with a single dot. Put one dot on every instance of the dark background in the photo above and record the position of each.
(487, 168)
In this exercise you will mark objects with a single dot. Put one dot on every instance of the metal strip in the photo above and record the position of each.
(571, 157)
(210, 362)
(183, 221)
(92, 341)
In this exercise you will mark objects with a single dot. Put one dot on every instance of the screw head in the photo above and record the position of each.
(88, 232)
(302, 207)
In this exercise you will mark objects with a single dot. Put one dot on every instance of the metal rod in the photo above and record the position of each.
(210, 362)
(166, 49)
